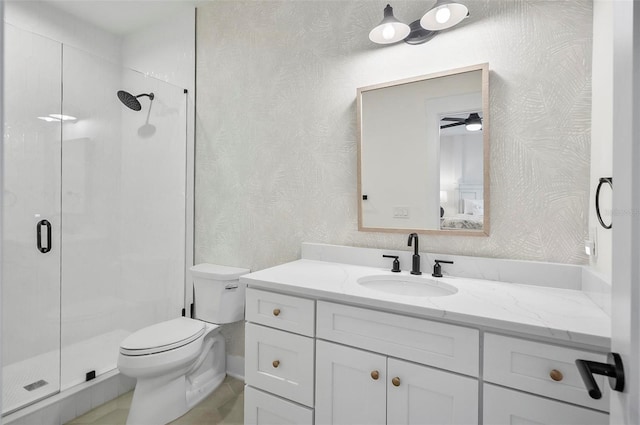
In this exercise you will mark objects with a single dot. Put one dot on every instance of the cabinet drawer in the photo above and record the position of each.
(261, 408)
(503, 406)
(529, 366)
(284, 312)
(279, 362)
(422, 341)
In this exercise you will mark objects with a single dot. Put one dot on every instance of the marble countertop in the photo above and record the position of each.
(566, 315)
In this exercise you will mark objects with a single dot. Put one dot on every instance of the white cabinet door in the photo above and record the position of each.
(508, 407)
(350, 386)
(423, 395)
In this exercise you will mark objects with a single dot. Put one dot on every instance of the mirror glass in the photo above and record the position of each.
(423, 154)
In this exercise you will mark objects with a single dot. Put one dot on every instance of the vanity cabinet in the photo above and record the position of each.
(354, 386)
(319, 362)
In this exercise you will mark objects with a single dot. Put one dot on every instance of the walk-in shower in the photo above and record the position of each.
(131, 101)
(93, 215)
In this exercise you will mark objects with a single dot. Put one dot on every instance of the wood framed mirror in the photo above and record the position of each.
(423, 154)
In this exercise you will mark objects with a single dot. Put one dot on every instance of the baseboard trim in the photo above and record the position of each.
(235, 367)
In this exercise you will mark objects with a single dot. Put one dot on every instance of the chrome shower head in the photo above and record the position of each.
(131, 101)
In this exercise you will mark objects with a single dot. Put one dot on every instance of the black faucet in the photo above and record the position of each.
(415, 263)
(437, 268)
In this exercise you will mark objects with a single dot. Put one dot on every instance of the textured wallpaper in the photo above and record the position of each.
(276, 125)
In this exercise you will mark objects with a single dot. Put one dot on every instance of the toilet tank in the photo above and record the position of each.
(218, 294)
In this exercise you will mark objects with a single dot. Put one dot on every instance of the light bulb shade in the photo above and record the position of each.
(390, 30)
(444, 14)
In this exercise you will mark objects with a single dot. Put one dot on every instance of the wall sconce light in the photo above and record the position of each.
(444, 14)
(389, 30)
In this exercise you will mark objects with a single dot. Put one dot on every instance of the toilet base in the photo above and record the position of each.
(160, 405)
(157, 402)
(160, 400)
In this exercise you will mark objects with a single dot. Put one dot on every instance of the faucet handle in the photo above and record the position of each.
(396, 263)
(437, 268)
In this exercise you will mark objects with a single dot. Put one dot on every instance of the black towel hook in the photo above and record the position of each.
(603, 180)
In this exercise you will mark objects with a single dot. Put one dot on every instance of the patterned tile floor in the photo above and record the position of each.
(225, 407)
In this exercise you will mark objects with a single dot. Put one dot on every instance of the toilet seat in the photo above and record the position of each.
(162, 337)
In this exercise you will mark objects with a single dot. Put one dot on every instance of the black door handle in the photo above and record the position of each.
(45, 223)
(612, 369)
(603, 180)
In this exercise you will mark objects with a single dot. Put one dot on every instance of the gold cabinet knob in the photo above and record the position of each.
(556, 375)
(396, 381)
(276, 311)
(276, 363)
(375, 375)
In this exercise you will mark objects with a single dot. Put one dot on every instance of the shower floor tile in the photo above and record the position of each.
(95, 353)
(225, 406)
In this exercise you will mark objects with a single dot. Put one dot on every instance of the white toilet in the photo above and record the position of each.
(179, 362)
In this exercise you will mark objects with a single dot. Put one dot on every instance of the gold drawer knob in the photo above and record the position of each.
(556, 375)
(375, 375)
(396, 381)
(276, 311)
(276, 363)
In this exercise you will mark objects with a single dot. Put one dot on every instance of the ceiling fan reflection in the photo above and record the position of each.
(472, 123)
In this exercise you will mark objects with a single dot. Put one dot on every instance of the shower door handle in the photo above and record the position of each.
(43, 249)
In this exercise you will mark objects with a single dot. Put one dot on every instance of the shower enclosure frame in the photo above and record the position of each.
(186, 199)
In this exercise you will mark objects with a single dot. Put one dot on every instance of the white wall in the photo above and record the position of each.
(276, 159)
(276, 142)
(41, 18)
(165, 50)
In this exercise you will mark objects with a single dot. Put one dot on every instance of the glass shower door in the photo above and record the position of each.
(31, 215)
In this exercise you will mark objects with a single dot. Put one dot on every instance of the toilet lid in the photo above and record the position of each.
(162, 336)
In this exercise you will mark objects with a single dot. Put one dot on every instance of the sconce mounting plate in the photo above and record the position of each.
(417, 34)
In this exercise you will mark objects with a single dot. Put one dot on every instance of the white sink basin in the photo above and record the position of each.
(411, 286)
